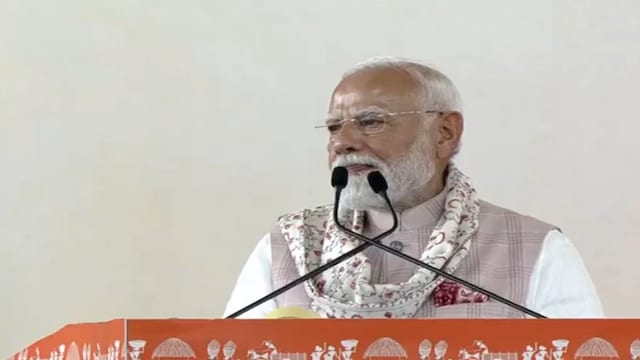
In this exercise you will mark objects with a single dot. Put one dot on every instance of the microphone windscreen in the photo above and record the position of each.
(377, 182)
(339, 177)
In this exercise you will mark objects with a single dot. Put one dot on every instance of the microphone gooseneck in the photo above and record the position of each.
(339, 180)
(379, 185)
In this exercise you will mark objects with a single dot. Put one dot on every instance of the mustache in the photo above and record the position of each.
(348, 160)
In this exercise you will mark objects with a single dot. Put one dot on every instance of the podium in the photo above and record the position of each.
(337, 339)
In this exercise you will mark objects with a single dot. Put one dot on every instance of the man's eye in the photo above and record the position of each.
(333, 127)
(371, 122)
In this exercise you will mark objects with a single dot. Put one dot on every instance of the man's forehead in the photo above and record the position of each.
(354, 103)
(390, 90)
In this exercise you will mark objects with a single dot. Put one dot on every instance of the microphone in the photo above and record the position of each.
(339, 180)
(379, 185)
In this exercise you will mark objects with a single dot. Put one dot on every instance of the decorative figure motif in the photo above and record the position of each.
(634, 349)
(268, 351)
(213, 349)
(317, 352)
(560, 348)
(348, 348)
(228, 350)
(440, 350)
(424, 349)
(480, 351)
(385, 347)
(73, 353)
(528, 353)
(331, 353)
(596, 348)
(542, 353)
(136, 348)
(477, 352)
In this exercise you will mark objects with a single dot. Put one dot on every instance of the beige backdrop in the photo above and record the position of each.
(146, 146)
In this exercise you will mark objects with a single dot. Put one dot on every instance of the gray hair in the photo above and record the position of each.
(440, 92)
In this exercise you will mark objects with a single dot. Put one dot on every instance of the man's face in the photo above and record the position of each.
(402, 151)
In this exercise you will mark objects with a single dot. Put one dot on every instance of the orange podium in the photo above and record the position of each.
(335, 339)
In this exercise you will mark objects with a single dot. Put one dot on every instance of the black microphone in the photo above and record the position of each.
(379, 185)
(339, 180)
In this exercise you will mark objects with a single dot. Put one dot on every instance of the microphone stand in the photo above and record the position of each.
(322, 268)
(417, 262)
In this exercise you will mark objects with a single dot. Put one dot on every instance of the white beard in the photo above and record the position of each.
(406, 176)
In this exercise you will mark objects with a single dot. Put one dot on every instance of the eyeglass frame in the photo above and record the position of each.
(354, 120)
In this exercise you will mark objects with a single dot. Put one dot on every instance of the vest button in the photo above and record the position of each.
(396, 245)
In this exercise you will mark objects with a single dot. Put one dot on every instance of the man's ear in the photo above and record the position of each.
(449, 132)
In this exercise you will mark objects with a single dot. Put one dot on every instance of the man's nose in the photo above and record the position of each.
(347, 140)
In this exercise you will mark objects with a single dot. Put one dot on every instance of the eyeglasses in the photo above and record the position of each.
(370, 122)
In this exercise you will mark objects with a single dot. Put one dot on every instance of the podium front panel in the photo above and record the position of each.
(333, 339)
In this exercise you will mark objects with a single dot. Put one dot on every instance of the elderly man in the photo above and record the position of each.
(405, 120)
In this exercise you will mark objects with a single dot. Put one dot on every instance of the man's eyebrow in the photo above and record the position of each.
(372, 109)
(369, 110)
(332, 118)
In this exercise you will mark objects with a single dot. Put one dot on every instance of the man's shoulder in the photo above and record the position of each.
(492, 212)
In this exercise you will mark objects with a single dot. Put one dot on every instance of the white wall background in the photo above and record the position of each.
(146, 146)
